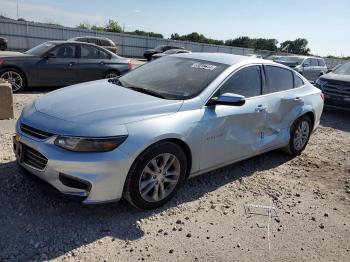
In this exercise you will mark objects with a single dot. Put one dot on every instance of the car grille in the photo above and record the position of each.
(339, 88)
(33, 158)
(35, 132)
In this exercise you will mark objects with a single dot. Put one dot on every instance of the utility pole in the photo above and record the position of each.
(17, 10)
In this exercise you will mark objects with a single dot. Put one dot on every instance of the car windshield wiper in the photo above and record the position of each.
(146, 91)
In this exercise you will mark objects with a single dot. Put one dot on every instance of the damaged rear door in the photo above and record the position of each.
(284, 98)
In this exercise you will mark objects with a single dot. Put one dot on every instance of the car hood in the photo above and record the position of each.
(10, 54)
(333, 76)
(148, 51)
(102, 102)
(160, 55)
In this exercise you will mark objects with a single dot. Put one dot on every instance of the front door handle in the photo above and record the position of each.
(102, 63)
(260, 108)
(297, 99)
(71, 64)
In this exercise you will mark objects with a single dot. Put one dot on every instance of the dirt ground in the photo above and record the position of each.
(206, 221)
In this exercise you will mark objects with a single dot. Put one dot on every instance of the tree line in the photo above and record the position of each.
(298, 46)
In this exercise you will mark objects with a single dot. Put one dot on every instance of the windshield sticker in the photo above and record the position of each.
(204, 66)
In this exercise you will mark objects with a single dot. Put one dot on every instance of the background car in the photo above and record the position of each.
(159, 49)
(60, 63)
(100, 41)
(310, 67)
(142, 135)
(170, 52)
(336, 86)
(3, 44)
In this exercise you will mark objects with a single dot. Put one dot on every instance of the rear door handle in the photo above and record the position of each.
(102, 63)
(298, 99)
(71, 64)
(260, 108)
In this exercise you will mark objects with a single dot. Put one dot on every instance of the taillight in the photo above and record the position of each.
(1, 61)
(129, 64)
(322, 96)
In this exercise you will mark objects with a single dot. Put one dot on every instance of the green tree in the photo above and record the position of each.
(97, 28)
(298, 46)
(143, 33)
(83, 26)
(113, 26)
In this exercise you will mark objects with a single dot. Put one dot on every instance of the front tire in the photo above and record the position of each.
(156, 175)
(15, 78)
(299, 136)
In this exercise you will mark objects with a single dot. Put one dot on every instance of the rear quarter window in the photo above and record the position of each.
(278, 79)
(298, 82)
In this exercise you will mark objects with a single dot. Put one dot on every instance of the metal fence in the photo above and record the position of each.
(25, 35)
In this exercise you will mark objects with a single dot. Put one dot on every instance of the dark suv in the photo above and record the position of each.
(3, 44)
(159, 49)
(336, 86)
(100, 41)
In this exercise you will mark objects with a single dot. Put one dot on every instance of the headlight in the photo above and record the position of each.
(80, 144)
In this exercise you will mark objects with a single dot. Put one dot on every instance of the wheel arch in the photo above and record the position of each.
(179, 142)
(311, 115)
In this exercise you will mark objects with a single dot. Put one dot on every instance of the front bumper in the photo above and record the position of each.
(103, 174)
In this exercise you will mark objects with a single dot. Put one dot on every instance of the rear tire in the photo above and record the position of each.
(300, 133)
(155, 176)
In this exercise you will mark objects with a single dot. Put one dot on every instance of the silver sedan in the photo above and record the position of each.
(142, 135)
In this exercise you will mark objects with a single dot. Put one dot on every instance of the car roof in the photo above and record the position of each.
(92, 37)
(58, 42)
(302, 56)
(222, 58)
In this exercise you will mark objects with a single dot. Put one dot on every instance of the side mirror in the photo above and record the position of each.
(306, 65)
(228, 99)
(50, 55)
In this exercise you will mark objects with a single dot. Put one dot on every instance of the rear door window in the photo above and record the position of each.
(89, 52)
(314, 62)
(104, 55)
(321, 62)
(278, 79)
(245, 82)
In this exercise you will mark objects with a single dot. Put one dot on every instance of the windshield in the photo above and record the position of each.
(343, 69)
(291, 59)
(174, 77)
(40, 49)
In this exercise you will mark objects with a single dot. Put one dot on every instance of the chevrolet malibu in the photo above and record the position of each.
(140, 136)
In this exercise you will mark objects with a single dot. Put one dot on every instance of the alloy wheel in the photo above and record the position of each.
(301, 135)
(14, 78)
(159, 177)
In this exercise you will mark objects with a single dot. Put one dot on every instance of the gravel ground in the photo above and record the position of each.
(206, 221)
